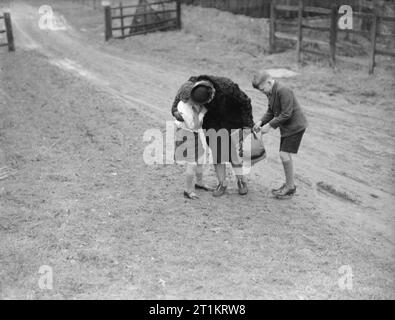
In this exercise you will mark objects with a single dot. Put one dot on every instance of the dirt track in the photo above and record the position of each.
(73, 111)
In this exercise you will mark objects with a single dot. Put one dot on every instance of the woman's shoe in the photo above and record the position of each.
(191, 195)
(243, 190)
(220, 190)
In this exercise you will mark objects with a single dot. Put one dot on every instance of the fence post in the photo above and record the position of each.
(121, 14)
(8, 27)
(333, 35)
(245, 8)
(272, 28)
(300, 21)
(179, 14)
(145, 19)
(108, 22)
(373, 39)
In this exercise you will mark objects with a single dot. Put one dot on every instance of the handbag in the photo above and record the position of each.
(253, 149)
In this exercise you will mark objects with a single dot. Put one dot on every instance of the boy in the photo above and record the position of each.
(283, 112)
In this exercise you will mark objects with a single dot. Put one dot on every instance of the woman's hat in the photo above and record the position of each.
(202, 92)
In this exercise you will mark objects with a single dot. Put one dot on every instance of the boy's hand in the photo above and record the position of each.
(257, 126)
(178, 116)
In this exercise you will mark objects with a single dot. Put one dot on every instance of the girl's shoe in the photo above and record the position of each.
(190, 195)
(203, 187)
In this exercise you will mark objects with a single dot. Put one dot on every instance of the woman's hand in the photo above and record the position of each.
(178, 116)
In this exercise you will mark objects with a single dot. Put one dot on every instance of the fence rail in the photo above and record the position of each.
(253, 8)
(147, 4)
(6, 17)
(145, 18)
(94, 4)
(332, 15)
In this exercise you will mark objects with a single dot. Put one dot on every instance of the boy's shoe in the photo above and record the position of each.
(278, 189)
(220, 190)
(243, 190)
(285, 192)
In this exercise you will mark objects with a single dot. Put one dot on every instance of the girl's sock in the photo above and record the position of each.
(199, 175)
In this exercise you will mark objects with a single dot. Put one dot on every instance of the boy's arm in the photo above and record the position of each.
(287, 107)
(267, 116)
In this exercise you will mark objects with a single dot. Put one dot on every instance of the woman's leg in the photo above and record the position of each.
(220, 170)
(240, 178)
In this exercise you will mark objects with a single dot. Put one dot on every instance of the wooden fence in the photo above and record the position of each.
(253, 8)
(94, 4)
(332, 15)
(6, 17)
(141, 18)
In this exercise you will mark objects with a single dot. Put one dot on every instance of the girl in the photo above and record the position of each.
(189, 147)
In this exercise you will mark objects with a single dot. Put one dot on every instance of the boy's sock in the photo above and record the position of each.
(289, 173)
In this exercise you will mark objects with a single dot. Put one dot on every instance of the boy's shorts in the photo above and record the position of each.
(291, 144)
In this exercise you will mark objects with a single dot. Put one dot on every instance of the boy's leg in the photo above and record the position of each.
(288, 145)
(286, 159)
(289, 188)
